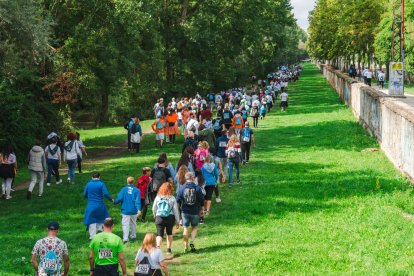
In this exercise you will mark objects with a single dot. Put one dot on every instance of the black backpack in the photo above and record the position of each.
(157, 179)
(144, 268)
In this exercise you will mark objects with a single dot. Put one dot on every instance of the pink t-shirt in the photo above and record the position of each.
(201, 155)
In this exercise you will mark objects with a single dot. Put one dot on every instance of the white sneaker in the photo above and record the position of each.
(48, 184)
(68, 179)
(58, 182)
(8, 197)
(218, 200)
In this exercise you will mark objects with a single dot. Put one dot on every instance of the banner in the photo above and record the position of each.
(396, 82)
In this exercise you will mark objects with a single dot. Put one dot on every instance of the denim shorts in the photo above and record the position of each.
(192, 220)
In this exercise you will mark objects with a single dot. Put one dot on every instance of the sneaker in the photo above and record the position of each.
(185, 250)
(8, 197)
(58, 182)
(238, 181)
(125, 242)
(40, 195)
(206, 213)
(29, 195)
(169, 252)
(73, 183)
(68, 179)
(247, 161)
(11, 190)
(201, 221)
(218, 200)
(48, 184)
(193, 249)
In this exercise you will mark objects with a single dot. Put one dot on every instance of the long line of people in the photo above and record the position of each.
(214, 148)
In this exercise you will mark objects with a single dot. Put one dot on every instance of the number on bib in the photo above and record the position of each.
(143, 268)
(105, 253)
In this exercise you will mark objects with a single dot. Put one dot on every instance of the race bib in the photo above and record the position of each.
(105, 253)
(49, 265)
(246, 139)
(143, 269)
(222, 144)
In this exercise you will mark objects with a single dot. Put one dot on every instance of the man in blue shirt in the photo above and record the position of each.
(130, 199)
(221, 144)
(191, 199)
(96, 211)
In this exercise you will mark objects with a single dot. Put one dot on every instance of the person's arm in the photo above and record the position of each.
(66, 264)
(83, 149)
(106, 193)
(176, 214)
(164, 267)
(91, 262)
(138, 201)
(253, 141)
(85, 191)
(122, 263)
(34, 262)
(155, 207)
(120, 197)
(153, 127)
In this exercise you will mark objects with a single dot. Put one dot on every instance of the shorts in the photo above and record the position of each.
(188, 220)
(164, 223)
(159, 136)
(106, 270)
(209, 191)
(284, 104)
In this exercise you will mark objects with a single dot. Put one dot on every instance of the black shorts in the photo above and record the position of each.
(164, 224)
(106, 270)
(284, 104)
(209, 192)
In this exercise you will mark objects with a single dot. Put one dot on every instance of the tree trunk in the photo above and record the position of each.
(103, 112)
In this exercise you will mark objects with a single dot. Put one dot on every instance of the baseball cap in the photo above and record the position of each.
(54, 225)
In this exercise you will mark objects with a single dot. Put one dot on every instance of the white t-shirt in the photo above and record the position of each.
(284, 97)
(155, 257)
(52, 156)
(73, 153)
(368, 74)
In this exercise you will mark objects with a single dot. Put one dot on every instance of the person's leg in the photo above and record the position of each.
(137, 149)
(216, 192)
(247, 148)
(143, 209)
(33, 181)
(49, 171)
(185, 237)
(133, 226)
(73, 171)
(173, 139)
(41, 177)
(125, 227)
(160, 225)
(79, 161)
(170, 226)
(92, 230)
(237, 165)
(230, 173)
(55, 169)
(243, 149)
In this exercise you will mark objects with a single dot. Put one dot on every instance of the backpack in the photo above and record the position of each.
(159, 125)
(158, 179)
(210, 97)
(163, 208)
(144, 267)
(69, 146)
(159, 111)
(52, 151)
(381, 78)
(226, 115)
(238, 121)
(190, 196)
(232, 153)
(244, 114)
(246, 135)
(50, 264)
(217, 125)
(253, 112)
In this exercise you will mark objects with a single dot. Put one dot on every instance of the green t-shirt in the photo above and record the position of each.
(106, 247)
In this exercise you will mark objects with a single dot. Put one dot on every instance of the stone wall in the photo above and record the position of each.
(390, 120)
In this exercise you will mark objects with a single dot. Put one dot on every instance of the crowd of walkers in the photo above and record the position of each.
(217, 142)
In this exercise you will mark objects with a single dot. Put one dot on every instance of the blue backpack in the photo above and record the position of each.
(246, 135)
(238, 121)
(217, 125)
(163, 208)
(210, 97)
(50, 263)
(159, 125)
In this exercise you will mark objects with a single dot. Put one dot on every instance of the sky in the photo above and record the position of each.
(301, 9)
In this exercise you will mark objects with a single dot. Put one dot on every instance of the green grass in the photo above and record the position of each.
(310, 201)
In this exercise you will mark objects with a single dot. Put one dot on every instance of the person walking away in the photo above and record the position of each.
(254, 113)
(149, 259)
(159, 175)
(159, 128)
(168, 165)
(381, 79)
(71, 153)
(284, 98)
(130, 199)
(201, 153)
(136, 135)
(37, 167)
(247, 139)
(128, 124)
(192, 125)
(263, 110)
(191, 199)
(227, 116)
(211, 99)
(8, 169)
(96, 211)
(172, 127)
(211, 176)
(217, 127)
(53, 253)
(53, 156)
(221, 145)
(142, 184)
(200, 181)
(165, 211)
(369, 76)
(82, 150)
(237, 123)
(186, 160)
(233, 151)
(106, 252)
(190, 142)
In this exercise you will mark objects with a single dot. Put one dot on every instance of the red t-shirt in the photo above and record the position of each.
(142, 185)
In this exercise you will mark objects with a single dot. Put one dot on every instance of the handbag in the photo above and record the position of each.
(136, 138)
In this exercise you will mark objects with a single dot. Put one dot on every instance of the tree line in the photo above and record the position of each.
(348, 32)
(61, 60)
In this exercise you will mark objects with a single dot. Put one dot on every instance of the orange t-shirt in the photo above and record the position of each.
(172, 118)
